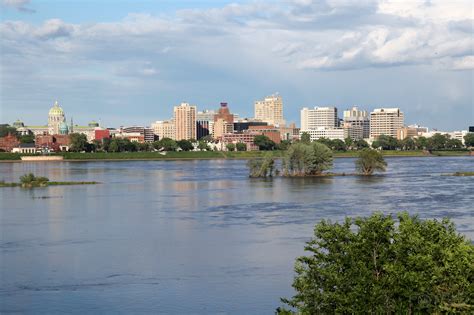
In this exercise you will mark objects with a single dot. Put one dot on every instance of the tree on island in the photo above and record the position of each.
(30, 180)
(376, 265)
(306, 159)
(262, 167)
(369, 161)
(305, 138)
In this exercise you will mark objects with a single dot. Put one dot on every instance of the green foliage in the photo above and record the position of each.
(283, 145)
(122, 145)
(386, 143)
(203, 146)
(241, 146)
(369, 161)
(437, 142)
(408, 144)
(349, 142)
(469, 139)
(454, 144)
(375, 265)
(5, 130)
(166, 144)
(30, 180)
(338, 145)
(185, 145)
(264, 143)
(230, 147)
(27, 139)
(305, 138)
(262, 167)
(306, 159)
(78, 142)
(421, 143)
(361, 144)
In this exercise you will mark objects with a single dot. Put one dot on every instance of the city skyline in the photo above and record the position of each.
(136, 61)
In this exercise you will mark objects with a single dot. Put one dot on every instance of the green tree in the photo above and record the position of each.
(27, 139)
(77, 142)
(264, 143)
(166, 144)
(408, 144)
(185, 145)
(6, 129)
(241, 146)
(305, 138)
(306, 159)
(437, 142)
(361, 144)
(338, 145)
(454, 144)
(230, 147)
(385, 142)
(376, 265)
(283, 145)
(203, 146)
(262, 167)
(369, 161)
(349, 142)
(421, 143)
(469, 139)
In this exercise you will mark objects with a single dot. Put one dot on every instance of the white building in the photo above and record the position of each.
(270, 110)
(459, 135)
(385, 121)
(355, 118)
(325, 117)
(322, 132)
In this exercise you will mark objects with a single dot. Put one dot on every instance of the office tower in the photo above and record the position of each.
(385, 121)
(185, 122)
(356, 119)
(270, 110)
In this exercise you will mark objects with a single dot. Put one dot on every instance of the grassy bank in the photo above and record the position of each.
(74, 156)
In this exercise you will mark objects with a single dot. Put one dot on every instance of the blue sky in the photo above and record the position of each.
(130, 62)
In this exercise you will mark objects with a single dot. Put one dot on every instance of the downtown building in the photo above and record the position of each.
(185, 122)
(356, 123)
(223, 121)
(164, 129)
(204, 123)
(385, 121)
(321, 122)
(270, 110)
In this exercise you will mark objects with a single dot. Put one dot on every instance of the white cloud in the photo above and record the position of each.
(20, 5)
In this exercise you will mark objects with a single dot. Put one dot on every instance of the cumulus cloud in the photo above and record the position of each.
(20, 5)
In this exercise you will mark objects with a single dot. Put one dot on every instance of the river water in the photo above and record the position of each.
(190, 236)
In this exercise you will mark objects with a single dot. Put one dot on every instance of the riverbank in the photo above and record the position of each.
(206, 155)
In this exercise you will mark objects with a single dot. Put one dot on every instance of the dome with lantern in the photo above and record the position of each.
(56, 110)
(63, 128)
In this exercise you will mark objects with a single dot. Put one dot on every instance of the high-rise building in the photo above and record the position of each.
(164, 129)
(385, 121)
(319, 117)
(185, 122)
(270, 110)
(205, 123)
(355, 118)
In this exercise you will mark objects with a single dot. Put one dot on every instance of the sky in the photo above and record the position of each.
(128, 62)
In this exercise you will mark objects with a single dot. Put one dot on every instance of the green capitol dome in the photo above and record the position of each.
(56, 110)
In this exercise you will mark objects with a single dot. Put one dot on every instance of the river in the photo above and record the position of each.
(191, 236)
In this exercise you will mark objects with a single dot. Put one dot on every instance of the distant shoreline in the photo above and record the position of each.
(209, 155)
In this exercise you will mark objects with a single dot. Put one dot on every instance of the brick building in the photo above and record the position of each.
(8, 142)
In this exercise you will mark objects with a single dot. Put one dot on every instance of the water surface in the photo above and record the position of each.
(190, 236)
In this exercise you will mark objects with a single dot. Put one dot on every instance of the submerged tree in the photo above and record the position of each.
(30, 180)
(262, 167)
(370, 161)
(306, 159)
(375, 265)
